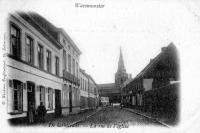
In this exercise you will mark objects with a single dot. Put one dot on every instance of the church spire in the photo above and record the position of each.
(121, 63)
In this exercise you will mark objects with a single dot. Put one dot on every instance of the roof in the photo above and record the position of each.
(106, 86)
(47, 29)
(152, 62)
(88, 76)
(83, 72)
(70, 40)
(127, 81)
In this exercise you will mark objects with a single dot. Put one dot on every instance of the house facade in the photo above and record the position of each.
(93, 94)
(89, 92)
(70, 68)
(42, 67)
(156, 88)
(84, 96)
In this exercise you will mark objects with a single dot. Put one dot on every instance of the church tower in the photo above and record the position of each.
(120, 76)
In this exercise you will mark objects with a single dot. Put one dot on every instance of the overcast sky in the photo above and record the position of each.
(141, 28)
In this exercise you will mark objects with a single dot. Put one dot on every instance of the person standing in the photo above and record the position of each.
(31, 112)
(41, 111)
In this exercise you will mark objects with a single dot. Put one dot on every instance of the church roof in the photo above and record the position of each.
(121, 66)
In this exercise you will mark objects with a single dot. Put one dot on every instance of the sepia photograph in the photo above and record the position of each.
(100, 66)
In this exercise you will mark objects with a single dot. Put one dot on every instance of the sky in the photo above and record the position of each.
(140, 28)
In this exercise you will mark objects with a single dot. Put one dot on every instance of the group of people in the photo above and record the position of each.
(36, 115)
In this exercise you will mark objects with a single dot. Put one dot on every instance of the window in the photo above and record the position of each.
(65, 95)
(42, 95)
(69, 63)
(29, 50)
(15, 42)
(80, 83)
(50, 98)
(57, 65)
(77, 69)
(83, 84)
(64, 60)
(40, 56)
(73, 67)
(48, 60)
(17, 95)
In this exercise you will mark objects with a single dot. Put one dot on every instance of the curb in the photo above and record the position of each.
(162, 123)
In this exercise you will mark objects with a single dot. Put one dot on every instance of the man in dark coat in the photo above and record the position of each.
(41, 110)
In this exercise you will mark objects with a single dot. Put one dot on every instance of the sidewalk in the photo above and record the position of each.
(162, 120)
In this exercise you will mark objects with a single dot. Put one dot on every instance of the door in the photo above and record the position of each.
(58, 110)
(30, 94)
(70, 98)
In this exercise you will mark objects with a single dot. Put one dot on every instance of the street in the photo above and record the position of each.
(106, 117)
(115, 117)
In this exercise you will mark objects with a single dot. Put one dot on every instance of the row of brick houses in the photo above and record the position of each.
(42, 66)
(155, 88)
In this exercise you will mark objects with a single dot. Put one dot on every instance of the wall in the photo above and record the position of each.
(24, 72)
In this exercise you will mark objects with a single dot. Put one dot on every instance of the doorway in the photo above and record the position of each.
(30, 94)
(58, 110)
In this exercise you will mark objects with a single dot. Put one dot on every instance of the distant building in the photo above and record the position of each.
(84, 91)
(93, 94)
(105, 101)
(89, 97)
(120, 76)
(113, 90)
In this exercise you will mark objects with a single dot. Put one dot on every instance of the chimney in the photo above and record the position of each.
(151, 60)
(163, 49)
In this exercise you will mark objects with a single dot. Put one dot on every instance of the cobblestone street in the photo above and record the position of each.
(110, 117)
(115, 117)
(67, 121)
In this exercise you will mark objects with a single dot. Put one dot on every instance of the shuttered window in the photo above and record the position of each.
(50, 98)
(42, 95)
(17, 96)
